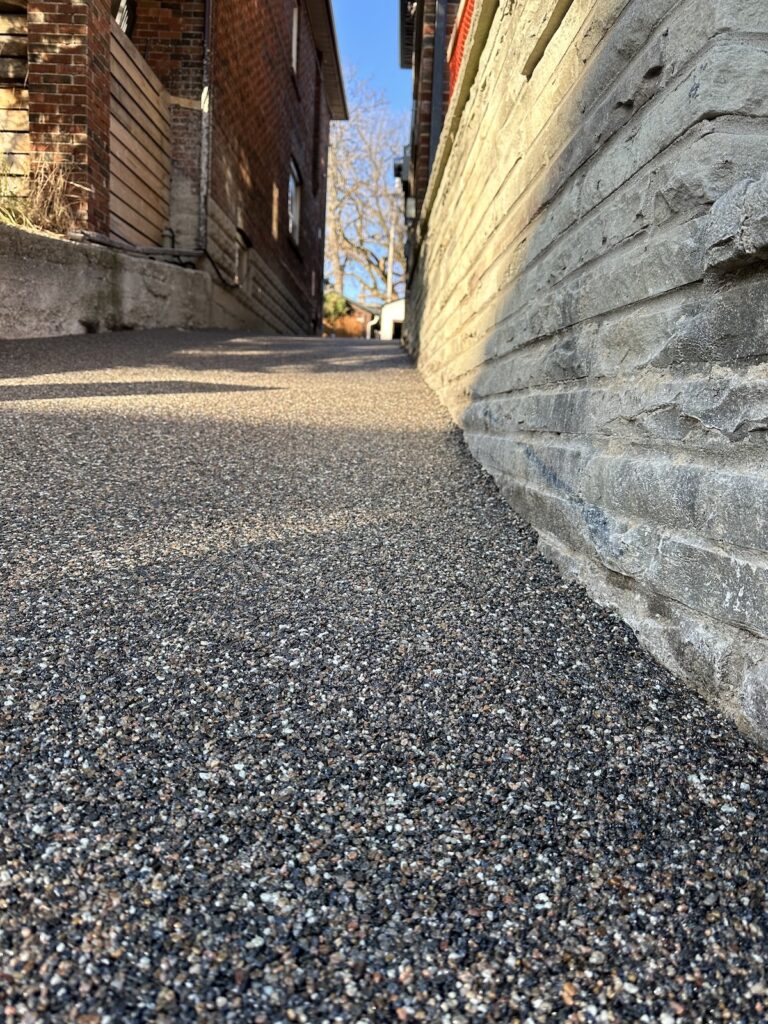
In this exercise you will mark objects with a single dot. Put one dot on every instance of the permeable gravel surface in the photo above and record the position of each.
(297, 725)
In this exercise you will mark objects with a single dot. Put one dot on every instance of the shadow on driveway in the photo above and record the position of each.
(105, 389)
(194, 350)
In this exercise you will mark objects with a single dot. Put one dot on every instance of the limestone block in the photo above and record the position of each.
(679, 182)
(722, 662)
(726, 586)
(725, 505)
(720, 325)
(737, 232)
(709, 411)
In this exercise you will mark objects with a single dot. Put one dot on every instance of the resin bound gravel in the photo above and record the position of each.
(297, 725)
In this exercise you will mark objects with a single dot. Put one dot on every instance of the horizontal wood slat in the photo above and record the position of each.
(128, 232)
(157, 130)
(14, 120)
(12, 69)
(14, 163)
(154, 106)
(140, 141)
(11, 97)
(14, 142)
(14, 100)
(14, 185)
(140, 161)
(125, 53)
(144, 203)
(13, 25)
(13, 46)
(126, 205)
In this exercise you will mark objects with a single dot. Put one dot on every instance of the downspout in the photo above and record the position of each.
(206, 125)
(438, 79)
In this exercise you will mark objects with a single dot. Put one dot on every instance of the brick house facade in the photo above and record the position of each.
(427, 28)
(194, 125)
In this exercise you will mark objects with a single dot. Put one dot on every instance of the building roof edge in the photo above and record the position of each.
(407, 25)
(324, 31)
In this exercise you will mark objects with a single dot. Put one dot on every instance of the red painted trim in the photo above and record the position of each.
(462, 35)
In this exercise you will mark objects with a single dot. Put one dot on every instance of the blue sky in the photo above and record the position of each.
(369, 40)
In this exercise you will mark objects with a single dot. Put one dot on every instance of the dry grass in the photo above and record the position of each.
(46, 200)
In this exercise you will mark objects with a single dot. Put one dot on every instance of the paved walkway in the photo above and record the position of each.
(296, 725)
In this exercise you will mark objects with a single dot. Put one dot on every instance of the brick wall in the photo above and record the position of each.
(462, 34)
(169, 34)
(422, 96)
(264, 117)
(590, 301)
(69, 97)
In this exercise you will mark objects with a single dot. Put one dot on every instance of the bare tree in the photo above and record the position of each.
(365, 227)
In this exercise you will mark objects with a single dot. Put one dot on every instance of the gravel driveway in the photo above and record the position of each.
(296, 724)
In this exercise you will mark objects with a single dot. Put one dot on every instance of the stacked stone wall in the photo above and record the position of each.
(590, 301)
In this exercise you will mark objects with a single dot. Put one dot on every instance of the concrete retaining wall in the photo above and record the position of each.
(51, 287)
(591, 303)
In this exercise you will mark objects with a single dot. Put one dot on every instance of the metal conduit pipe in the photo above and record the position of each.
(205, 131)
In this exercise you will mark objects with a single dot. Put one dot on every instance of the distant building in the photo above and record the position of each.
(354, 322)
(392, 318)
(196, 126)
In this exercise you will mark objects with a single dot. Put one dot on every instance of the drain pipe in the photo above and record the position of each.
(205, 131)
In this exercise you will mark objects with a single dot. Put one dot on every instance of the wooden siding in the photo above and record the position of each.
(140, 148)
(14, 102)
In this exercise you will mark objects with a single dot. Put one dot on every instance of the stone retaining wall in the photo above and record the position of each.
(590, 301)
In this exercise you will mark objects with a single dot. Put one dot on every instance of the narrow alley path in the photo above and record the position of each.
(296, 724)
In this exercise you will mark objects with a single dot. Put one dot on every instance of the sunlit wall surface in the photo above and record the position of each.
(589, 298)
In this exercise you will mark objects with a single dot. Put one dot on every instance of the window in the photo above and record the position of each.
(295, 38)
(124, 13)
(294, 203)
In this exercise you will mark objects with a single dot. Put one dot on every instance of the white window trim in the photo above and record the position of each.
(295, 26)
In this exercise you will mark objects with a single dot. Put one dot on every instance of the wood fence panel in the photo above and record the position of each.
(153, 174)
(140, 147)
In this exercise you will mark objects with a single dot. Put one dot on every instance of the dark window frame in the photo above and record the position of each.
(295, 187)
(124, 13)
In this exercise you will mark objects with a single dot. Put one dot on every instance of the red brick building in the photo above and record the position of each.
(194, 125)
(429, 38)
